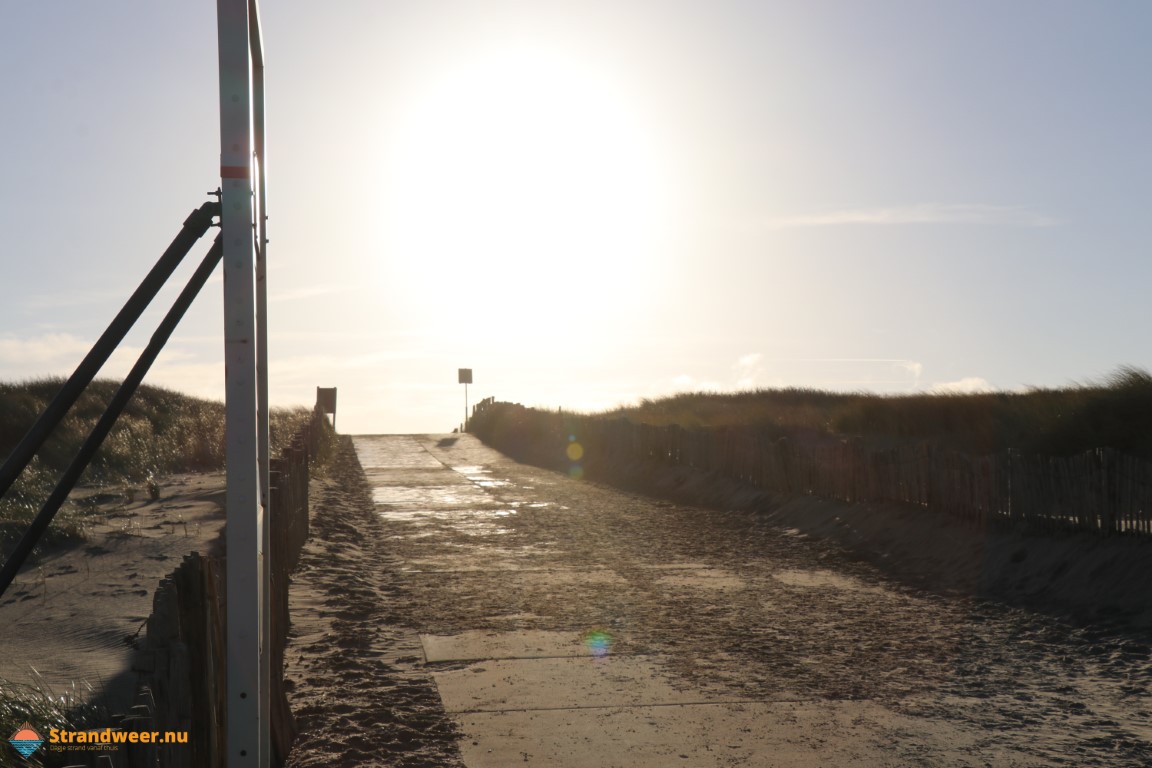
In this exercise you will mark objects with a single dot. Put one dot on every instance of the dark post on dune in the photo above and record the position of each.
(326, 402)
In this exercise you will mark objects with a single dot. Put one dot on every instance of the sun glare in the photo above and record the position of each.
(523, 177)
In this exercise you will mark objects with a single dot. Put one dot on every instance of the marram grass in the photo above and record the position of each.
(1115, 412)
(160, 432)
(37, 703)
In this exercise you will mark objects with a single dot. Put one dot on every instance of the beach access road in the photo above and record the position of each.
(454, 607)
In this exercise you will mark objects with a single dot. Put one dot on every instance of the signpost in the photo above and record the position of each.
(465, 378)
(326, 402)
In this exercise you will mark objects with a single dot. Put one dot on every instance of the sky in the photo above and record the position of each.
(590, 203)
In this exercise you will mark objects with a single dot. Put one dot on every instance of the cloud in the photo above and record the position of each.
(58, 354)
(45, 352)
(913, 367)
(199, 379)
(923, 213)
(685, 383)
(747, 370)
(749, 360)
(966, 385)
(48, 302)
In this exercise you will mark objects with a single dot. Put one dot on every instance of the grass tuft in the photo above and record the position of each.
(38, 704)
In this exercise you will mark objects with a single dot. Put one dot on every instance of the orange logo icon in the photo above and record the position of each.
(26, 740)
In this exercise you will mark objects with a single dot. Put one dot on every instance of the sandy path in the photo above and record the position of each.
(745, 611)
(353, 680)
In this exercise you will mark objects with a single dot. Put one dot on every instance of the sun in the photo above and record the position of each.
(525, 174)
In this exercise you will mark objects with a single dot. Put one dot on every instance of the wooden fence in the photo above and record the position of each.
(178, 665)
(183, 666)
(1101, 490)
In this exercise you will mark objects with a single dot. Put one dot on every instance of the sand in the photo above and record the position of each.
(69, 619)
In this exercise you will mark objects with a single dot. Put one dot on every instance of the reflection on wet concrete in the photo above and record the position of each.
(473, 522)
(428, 498)
(479, 476)
(393, 452)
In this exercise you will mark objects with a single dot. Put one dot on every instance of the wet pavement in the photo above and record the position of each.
(560, 698)
(570, 625)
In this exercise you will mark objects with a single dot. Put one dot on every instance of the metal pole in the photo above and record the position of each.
(465, 406)
(244, 539)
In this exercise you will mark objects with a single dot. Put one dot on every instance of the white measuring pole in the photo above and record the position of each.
(262, 437)
(247, 722)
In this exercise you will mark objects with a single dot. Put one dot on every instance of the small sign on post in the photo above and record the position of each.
(326, 402)
(465, 377)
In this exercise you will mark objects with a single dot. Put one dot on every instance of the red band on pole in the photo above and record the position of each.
(234, 171)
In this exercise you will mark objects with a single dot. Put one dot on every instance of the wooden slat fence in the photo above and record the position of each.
(183, 666)
(1102, 490)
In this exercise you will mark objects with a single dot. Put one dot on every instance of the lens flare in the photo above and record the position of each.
(575, 451)
(598, 642)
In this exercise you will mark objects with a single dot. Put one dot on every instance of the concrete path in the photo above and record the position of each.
(453, 607)
(590, 696)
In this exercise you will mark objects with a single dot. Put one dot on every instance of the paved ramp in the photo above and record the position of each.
(568, 697)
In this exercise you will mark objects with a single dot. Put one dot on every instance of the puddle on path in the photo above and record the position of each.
(431, 495)
(481, 476)
(392, 452)
(474, 522)
(411, 485)
(491, 483)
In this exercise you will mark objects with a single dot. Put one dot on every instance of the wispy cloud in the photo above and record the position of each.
(47, 302)
(686, 383)
(913, 367)
(923, 213)
(45, 351)
(966, 385)
(748, 369)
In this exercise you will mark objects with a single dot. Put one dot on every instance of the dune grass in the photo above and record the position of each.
(1115, 412)
(37, 703)
(160, 432)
